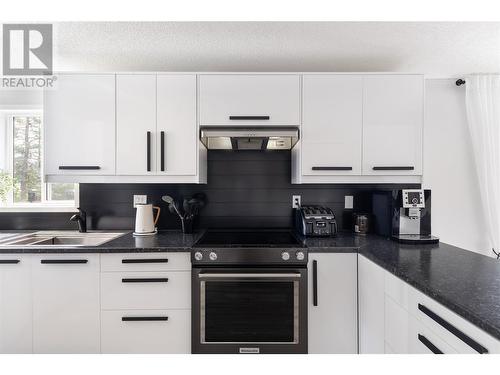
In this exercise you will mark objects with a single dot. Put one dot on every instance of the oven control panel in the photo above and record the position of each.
(248, 256)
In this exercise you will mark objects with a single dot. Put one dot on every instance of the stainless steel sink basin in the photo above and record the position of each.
(59, 239)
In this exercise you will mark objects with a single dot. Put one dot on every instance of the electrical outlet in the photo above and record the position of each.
(295, 201)
(348, 202)
(140, 199)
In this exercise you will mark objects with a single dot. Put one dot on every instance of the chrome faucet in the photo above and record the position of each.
(81, 219)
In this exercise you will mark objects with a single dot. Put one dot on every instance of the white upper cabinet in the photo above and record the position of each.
(249, 99)
(393, 118)
(136, 124)
(156, 125)
(176, 125)
(79, 125)
(332, 123)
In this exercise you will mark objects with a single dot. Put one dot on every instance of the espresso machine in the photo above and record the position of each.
(404, 215)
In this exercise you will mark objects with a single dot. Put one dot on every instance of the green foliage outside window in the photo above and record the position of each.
(5, 185)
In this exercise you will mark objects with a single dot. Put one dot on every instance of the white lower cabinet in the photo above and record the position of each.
(66, 303)
(332, 314)
(395, 326)
(146, 303)
(146, 331)
(371, 307)
(16, 327)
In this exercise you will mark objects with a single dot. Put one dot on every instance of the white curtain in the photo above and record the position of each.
(483, 117)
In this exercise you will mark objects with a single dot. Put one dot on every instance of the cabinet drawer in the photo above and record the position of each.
(249, 100)
(146, 332)
(146, 262)
(146, 290)
(421, 340)
(463, 336)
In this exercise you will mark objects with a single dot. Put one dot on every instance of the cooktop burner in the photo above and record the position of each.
(249, 239)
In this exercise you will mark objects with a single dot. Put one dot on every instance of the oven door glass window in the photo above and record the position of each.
(249, 311)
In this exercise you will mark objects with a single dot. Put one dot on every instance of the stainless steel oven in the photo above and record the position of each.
(250, 310)
(249, 294)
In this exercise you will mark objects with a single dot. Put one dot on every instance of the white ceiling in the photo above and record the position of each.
(438, 49)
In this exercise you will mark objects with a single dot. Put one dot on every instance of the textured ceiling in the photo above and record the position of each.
(437, 49)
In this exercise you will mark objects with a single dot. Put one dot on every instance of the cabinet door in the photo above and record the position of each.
(15, 304)
(79, 125)
(66, 303)
(250, 100)
(135, 124)
(396, 326)
(371, 307)
(393, 124)
(332, 121)
(333, 319)
(176, 110)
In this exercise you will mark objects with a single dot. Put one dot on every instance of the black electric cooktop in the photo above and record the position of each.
(250, 238)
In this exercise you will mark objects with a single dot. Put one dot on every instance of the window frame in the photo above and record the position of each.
(45, 205)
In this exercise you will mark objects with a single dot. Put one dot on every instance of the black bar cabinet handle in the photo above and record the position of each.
(332, 168)
(79, 167)
(144, 318)
(394, 168)
(152, 260)
(9, 261)
(249, 117)
(162, 151)
(315, 283)
(148, 150)
(433, 348)
(454, 330)
(146, 280)
(64, 261)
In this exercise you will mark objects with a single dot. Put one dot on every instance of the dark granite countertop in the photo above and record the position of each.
(465, 282)
(342, 243)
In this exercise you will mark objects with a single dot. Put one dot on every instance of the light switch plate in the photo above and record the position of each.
(140, 199)
(348, 202)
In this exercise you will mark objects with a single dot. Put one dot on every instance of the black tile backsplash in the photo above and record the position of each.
(247, 189)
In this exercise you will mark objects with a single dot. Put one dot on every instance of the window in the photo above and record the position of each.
(21, 167)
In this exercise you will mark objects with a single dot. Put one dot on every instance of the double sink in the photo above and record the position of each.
(57, 239)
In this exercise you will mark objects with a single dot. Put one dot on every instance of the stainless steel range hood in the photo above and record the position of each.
(248, 138)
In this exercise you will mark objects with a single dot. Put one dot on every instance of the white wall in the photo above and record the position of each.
(21, 99)
(449, 169)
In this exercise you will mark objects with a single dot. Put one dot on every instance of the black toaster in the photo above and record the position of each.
(315, 221)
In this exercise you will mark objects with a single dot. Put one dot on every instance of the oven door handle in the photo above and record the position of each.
(249, 275)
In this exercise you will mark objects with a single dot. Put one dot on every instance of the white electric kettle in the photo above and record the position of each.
(145, 224)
